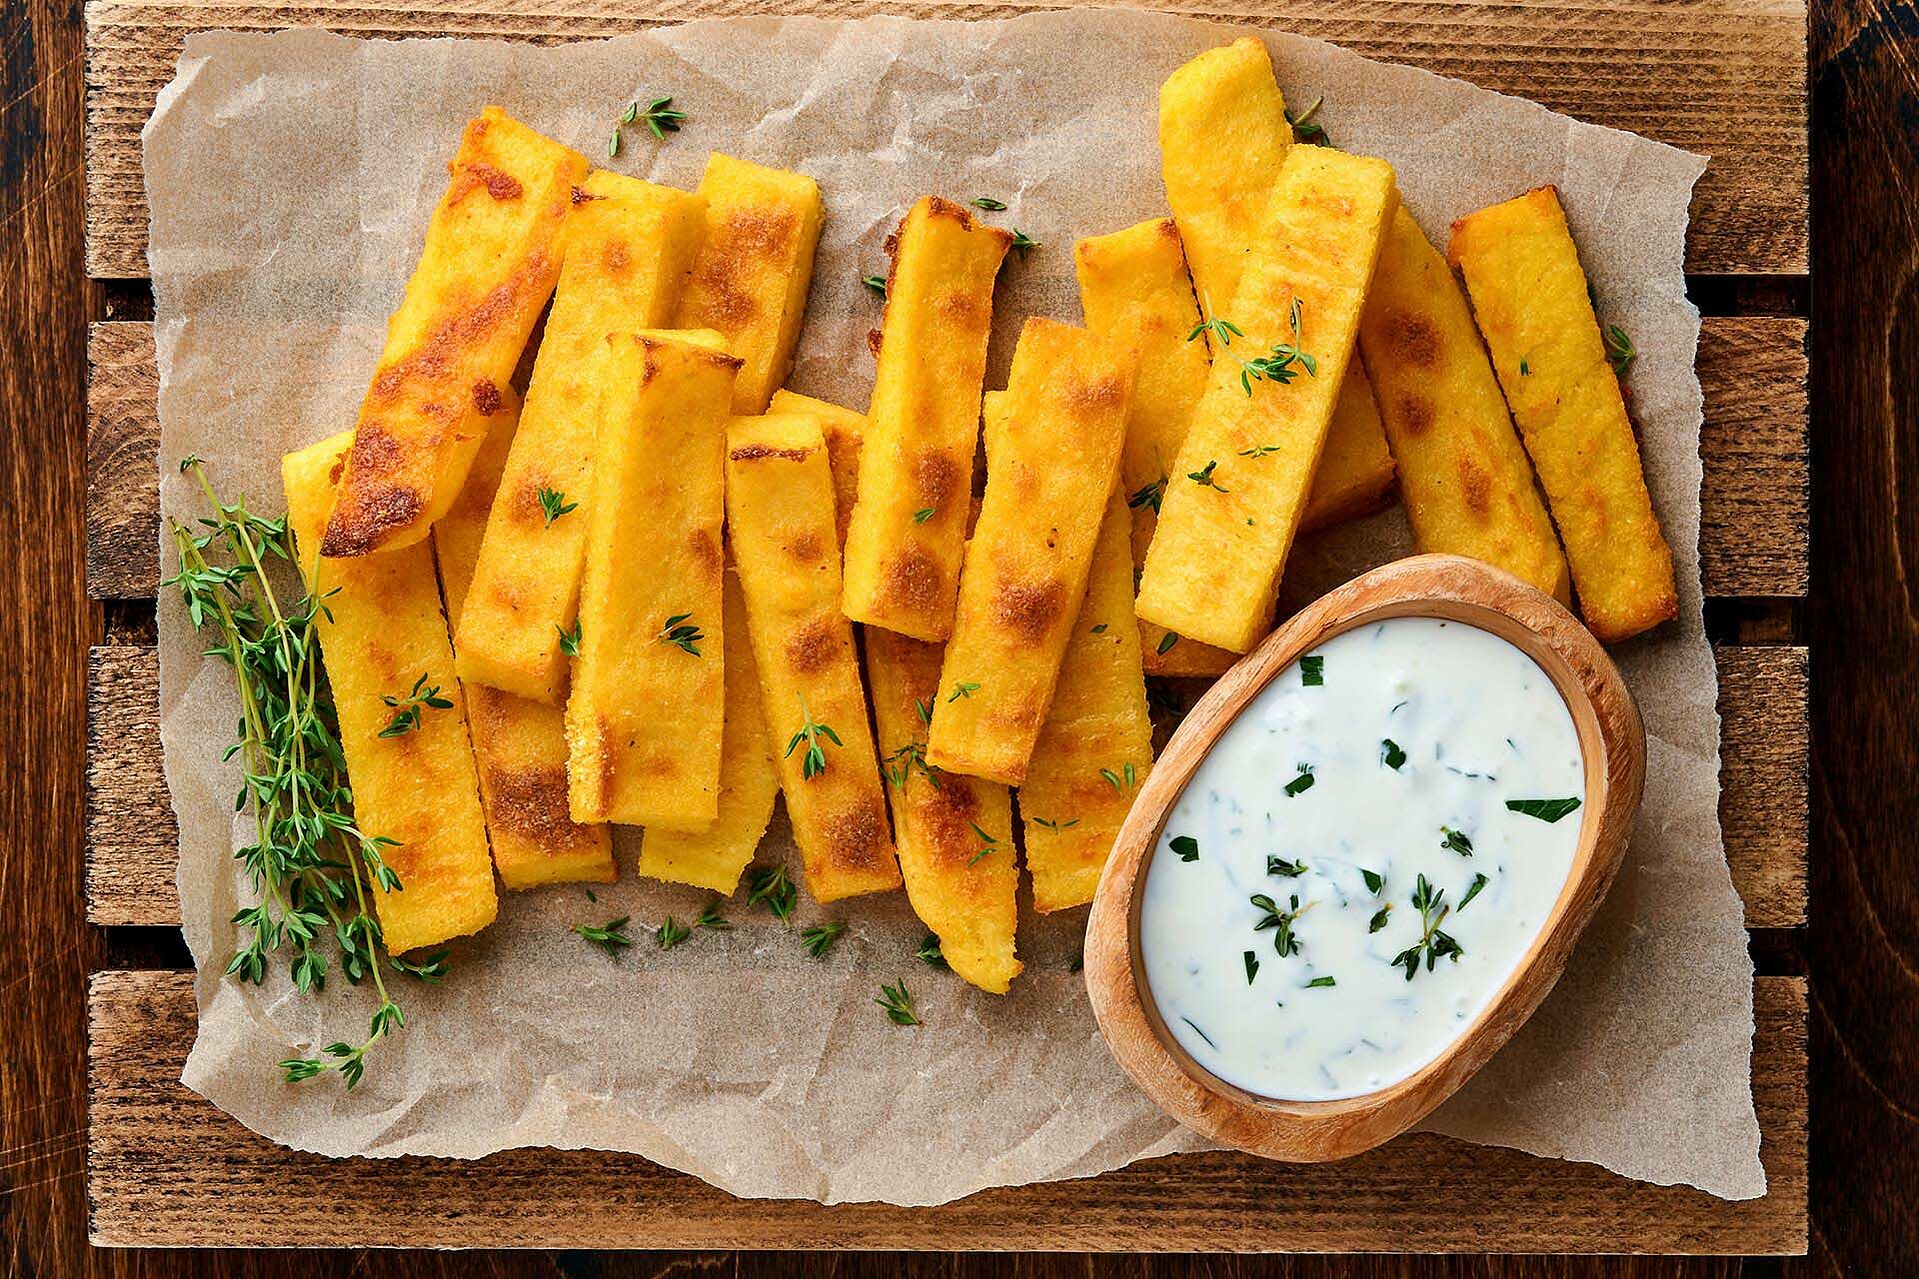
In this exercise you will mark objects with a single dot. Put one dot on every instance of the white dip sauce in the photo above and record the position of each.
(1287, 882)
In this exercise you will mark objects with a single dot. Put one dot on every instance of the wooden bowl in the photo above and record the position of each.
(1614, 747)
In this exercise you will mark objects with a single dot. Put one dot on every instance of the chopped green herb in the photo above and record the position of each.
(659, 117)
(898, 1003)
(1619, 350)
(1185, 847)
(907, 760)
(711, 919)
(1479, 882)
(1300, 784)
(820, 938)
(432, 970)
(1320, 982)
(1049, 824)
(1284, 363)
(1546, 810)
(1166, 643)
(877, 283)
(569, 640)
(1312, 670)
(1305, 129)
(768, 886)
(1379, 918)
(1204, 476)
(930, 953)
(988, 203)
(1285, 941)
(1280, 866)
(990, 844)
(671, 933)
(1222, 331)
(1390, 754)
(1122, 780)
(1374, 880)
(962, 689)
(1456, 841)
(610, 937)
(1525, 370)
(681, 633)
(1197, 1031)
(408, 711)
(1023, 243)
(1252, 966)
(553, 503)
(1148, 495)
(1433, 945)
(924, 514)
(1097, 630)
(813, 763)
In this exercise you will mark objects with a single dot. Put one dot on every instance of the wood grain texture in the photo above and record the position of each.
(131, 837)
(1612, 62)
(1752, 540)
(1864, 945)
(166, 1169)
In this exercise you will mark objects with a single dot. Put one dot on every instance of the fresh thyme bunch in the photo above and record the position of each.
(312, 869)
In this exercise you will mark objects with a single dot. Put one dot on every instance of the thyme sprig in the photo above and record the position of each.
(897, 1000)
(1280, 920)
(1285, 361)
(768, 886)
(820, 937)
(553, 503)
(813, 763)
(310, 866)
(1433, 944)
(682, 634)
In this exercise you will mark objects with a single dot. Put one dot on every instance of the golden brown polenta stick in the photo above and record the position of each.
(382, 636)
(1134, 290)
(1240, 485)
(715, 856)
(845, 433)
(491, 257)
(628, 246)
(754, 268)
(519, 746)
(645, 716)
(1223, 133)
(779, 507)
(955, 833)
(908, 529)
(1052, 460)
(1531, 302)
(1463, 476)
(1097, 745)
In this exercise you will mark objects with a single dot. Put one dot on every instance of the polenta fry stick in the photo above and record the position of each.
(1223, 133)
(779, 506)
(1237, 492)
(519, 746)
(643, 722)
(1052, 460)
(1463, 476)
(908, 529)
(715, 856)
(845, 433)
(628, 247)
(492, 255)
(955, 833)
(754, 268)
(1134, 290)
(1530, 299)
(402, 719)
(1097, 745)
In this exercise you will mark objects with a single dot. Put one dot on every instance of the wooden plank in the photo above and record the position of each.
(123, 480)
(131, 837)
(165, 1169)
(1741, 65)
(1753, 446)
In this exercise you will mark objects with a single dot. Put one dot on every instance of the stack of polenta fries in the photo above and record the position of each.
(657, 566)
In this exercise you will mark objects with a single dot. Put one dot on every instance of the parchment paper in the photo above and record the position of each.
(290, 178)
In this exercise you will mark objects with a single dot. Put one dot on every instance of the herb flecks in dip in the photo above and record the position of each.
(1362, 860)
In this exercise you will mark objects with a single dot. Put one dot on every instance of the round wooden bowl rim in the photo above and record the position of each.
(1612, 743)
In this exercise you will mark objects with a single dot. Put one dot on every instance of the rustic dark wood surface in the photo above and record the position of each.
(1862, 946)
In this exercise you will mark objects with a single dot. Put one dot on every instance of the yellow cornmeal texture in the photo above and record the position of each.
(1530, 299)
(955, 833)
(779, 506)
(1222, 542)
(1052, 461)
(644, 720)
(382, 631)
(715, 856)
(1463, 475)
(1223, 133)
(491, 257)
(629, 244)
(1097, 745)
(519, 746)
(754, 267)
(845, 432)
(1134, 290)
(908, 530)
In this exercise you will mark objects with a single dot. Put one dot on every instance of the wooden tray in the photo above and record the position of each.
(165, 1168)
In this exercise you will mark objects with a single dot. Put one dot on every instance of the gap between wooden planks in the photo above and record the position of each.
(1752, 539)
(165, 1169)
(1726, 78)
(131, 838)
